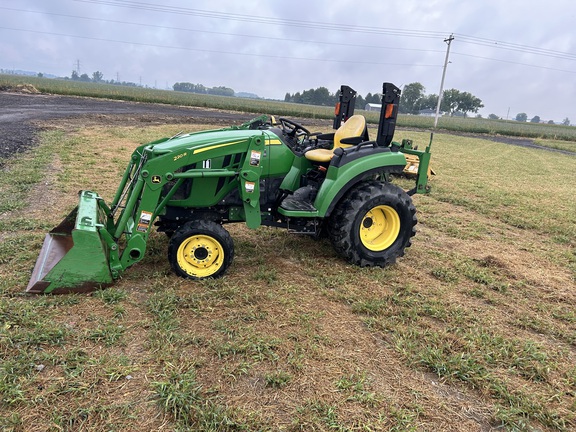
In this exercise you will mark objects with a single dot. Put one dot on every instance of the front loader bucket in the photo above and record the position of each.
(74, 258)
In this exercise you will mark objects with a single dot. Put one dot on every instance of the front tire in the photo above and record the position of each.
(373, 224)
(200, 249)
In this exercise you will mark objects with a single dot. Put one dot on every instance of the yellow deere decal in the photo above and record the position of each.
(180, 156)
(273, 142)
(201, 150)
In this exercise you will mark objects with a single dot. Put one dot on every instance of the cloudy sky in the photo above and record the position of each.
(517, 56)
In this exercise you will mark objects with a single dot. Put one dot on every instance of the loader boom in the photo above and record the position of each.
(96, 236)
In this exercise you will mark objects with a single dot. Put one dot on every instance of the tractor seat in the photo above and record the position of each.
(355, 127)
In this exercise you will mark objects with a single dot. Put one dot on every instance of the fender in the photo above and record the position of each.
(350, 168)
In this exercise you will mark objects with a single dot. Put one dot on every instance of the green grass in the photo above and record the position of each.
(477, 318)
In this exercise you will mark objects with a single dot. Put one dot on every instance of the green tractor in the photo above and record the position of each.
(262, 173)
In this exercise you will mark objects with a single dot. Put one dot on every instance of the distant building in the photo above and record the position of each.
(373, 107)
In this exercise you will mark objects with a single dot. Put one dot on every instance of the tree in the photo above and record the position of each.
(319, 96)
(322, 96)
(456, 101)
(411, 98)
(221, 91)
(521, 117)
(566, 122)
(97, 76)
(493, 117)
(469, 103)
(307, 97)
(550, 121)
(450, 101)
(373, 98)
(189, 87)
(535, 119)
(429, 102)
(74, 76)
(183, 87)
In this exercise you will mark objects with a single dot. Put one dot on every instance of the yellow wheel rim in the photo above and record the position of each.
(379, 228)
(200, 256)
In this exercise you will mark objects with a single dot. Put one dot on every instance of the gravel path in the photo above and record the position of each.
(23, 115)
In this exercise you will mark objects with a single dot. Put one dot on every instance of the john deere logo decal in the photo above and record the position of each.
(156, 179)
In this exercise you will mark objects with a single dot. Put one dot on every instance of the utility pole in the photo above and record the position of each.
(448, 41)
(78, 67)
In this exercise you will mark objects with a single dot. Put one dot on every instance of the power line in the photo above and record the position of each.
(513, 62)
(330, 26)
(340, 44)
(492, 43)
(218, 51)
(263, 20)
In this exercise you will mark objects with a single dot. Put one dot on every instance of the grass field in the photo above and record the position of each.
(563, 136)
(473, 330)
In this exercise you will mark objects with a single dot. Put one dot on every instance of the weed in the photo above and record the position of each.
(163, 305)
(237, 370)
(266, 274)
(75, 362)
(317, 415)
(277, 379)
(179, 394)
(11, 423)
(11, 390)
(356, 386)
(369, 307)
(445, 274)
(111, 295)
(109, 333)
(252, 347)
(118, 368)
(404, 419)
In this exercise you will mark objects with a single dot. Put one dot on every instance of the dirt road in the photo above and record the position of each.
(23, 115)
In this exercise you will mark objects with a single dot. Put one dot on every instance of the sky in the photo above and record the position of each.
(516, 56)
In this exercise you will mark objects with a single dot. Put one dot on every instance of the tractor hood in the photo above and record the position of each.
(200, 142)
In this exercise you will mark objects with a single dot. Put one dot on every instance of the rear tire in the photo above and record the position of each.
(200, 249)
(373, 224)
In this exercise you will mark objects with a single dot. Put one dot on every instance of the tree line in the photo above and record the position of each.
(322, 96)
(412, 101)
(201, 89)
(98, 77)
(523, 117)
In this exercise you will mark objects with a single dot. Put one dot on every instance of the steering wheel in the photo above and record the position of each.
(293, 129)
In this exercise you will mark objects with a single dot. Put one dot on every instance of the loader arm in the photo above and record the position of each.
(113, 237)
